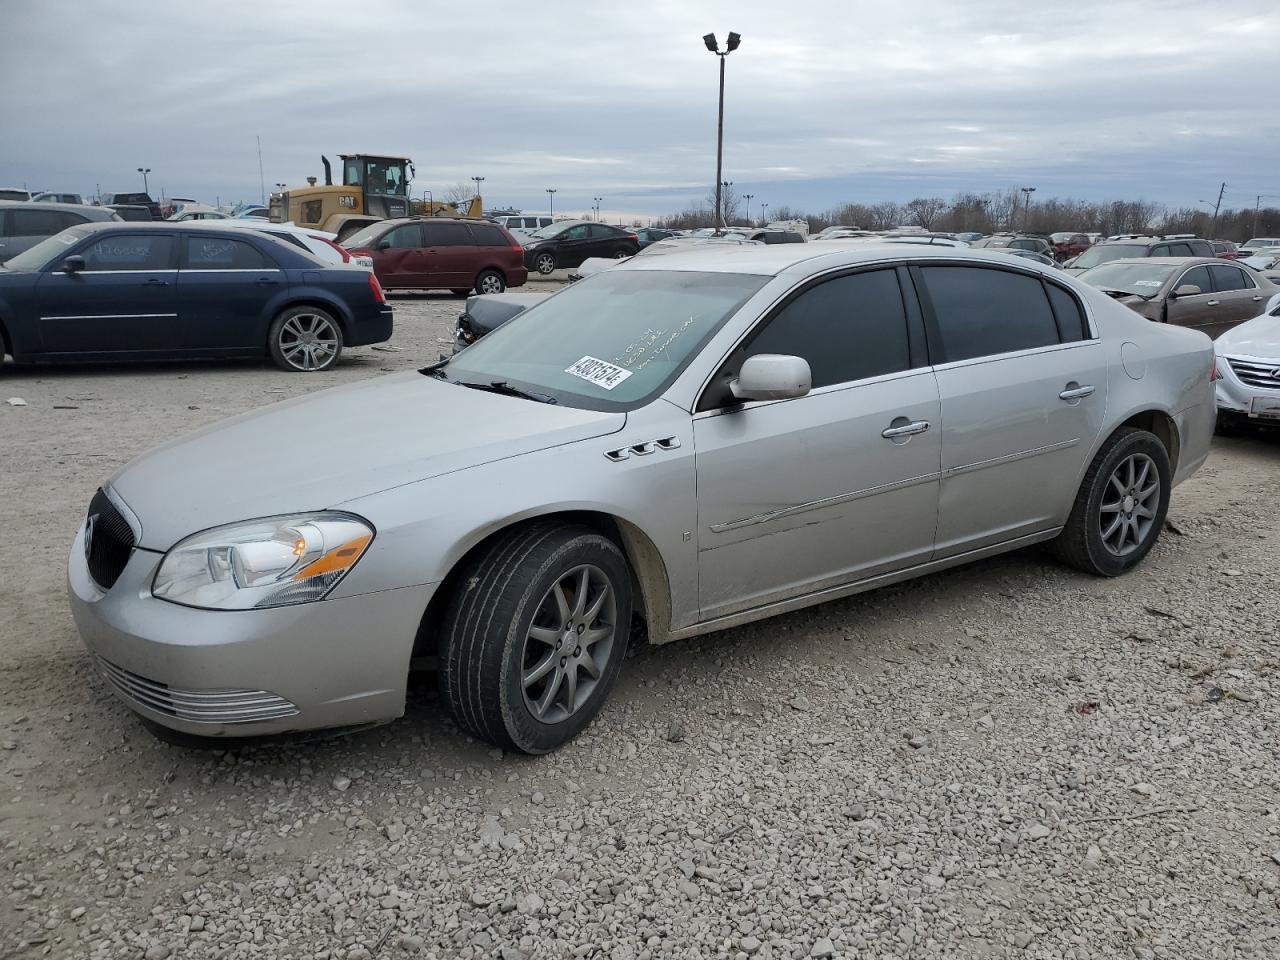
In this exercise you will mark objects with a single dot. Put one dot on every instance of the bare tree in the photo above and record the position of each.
(884, 215)
(460, 193)
(925, 211)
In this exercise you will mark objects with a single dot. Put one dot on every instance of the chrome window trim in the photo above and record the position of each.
(1015, 354)
(230, 270)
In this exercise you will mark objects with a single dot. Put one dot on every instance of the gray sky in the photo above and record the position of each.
(826, 101)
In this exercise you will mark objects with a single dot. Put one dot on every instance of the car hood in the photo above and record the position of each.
(319, 451)
(1258, 338)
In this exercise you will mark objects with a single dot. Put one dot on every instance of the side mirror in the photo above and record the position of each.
(73, 264)
(1187, 290)
(1069, 263)
(772, 376)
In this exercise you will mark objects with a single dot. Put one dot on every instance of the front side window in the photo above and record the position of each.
(611, 341)
(983, 312)
(408, 237)
(580, 232)
(1196, 277)
(223, 253)
(849, 328)
(118, 251)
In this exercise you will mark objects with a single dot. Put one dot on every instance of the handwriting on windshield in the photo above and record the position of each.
(649, 346)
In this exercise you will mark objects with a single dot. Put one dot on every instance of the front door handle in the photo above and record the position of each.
(153, 282)
(1255, 299)
(267, 282)
(1212, 303)
(1077, 392)
(905, 430)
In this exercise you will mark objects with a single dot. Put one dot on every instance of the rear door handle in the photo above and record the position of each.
(906, 430)
(267, 282)
(153, 282)
(1077, 393)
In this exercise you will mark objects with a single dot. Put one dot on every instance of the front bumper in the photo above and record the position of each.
(1236, 396)
(332, 663)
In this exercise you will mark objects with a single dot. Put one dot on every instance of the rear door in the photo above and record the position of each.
(124, 300)
(1238, 296)
(449, 255)
(224, 285)
(1023, 388)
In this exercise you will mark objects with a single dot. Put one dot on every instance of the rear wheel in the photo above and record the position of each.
(536, 636)
(621, 253)
(1121, 505)
(305, 340)
(545, 263)
(490, 281)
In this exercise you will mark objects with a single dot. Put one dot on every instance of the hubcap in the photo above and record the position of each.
(546, 264)
(490, 284)
(569, 644)
(1128, 510)
(308, 341)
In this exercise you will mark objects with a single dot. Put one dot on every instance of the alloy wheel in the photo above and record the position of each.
(545, 264)
(569, 643)
(1127, 517)
(309, 341)
(490, 283)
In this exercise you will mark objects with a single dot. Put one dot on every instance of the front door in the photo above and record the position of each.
(224, 285)
(1023, 388)
(125, 299)
(795, 496)
(1196, 310)
(576, 245)
(399, 259)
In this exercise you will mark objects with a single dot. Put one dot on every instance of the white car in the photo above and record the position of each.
(593, 265)
(198, 211)
(319, 242)
(1248, 365)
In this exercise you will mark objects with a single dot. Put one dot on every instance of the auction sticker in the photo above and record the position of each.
(599, 372)
(1148, 283)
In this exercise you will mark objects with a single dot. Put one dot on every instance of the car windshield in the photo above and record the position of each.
(1106, 252)
(553, 230)
(363, 238)
(1142, 279)
(48, 249)
(610, 341)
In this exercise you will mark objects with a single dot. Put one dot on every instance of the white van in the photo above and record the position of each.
(524, 223)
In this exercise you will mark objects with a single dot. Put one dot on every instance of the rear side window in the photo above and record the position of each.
(290, 238)
(223, 253)
(849, 328)
(485, 235)
(1202, 248)
(446, 235)
(982, 312)
(1072, 325)
(129, 252)
(1226, 279)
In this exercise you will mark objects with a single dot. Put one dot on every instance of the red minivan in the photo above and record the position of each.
(425, 253)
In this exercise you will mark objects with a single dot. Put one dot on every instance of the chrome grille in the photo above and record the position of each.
(197, 706)
(109, 541)
(1256, 373)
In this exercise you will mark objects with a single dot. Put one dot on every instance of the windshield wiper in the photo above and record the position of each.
(501, 386)
(1113, 292)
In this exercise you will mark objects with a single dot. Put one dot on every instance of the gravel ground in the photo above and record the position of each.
(1007, 760)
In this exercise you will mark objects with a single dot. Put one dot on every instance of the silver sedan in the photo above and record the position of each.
(695, 441)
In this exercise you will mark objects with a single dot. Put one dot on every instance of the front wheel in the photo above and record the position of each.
(536, 636)
(622, 253)
(490, 281)
(545, 263)
(305, 340)
(1120, 507)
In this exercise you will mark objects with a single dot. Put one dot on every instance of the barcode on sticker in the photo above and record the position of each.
(599, 372)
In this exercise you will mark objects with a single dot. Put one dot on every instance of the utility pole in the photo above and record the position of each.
(551, 193)
(262, 181)
(1026, 208)
(1213, 228)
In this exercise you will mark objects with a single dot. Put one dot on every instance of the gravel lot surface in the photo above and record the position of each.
(1007, 760)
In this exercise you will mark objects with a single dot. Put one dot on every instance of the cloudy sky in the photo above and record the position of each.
(826, 101)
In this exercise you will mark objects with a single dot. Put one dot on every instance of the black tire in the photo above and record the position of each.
(622, 253)
(1229, 424)
(289, 344)
(1081, 543)
(490, 281)
(487, 649)
(545, 263)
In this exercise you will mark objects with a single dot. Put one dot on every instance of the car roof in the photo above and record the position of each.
(776, 259)
(1172, 261)
(85, 209)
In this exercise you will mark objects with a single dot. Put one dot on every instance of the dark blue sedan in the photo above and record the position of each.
(128, 291)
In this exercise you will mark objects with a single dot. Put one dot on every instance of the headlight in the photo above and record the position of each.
(262, 563)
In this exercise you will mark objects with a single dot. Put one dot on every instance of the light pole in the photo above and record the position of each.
(747, 212)
(724, 202)
(763, 207)
(1026, 206)
(731, 44)
(478, 181)
(597, 200)
(551, 193)
(145, 188)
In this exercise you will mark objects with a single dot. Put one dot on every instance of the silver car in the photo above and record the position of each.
(697, 440)
(1249, 372)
